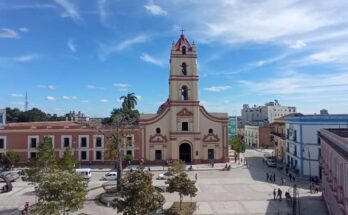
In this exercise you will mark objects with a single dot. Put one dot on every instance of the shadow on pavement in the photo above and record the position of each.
(11, 211)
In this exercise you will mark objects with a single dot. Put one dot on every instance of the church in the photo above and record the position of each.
(182, 128)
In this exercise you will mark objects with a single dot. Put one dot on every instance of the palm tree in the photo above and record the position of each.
(129, 101)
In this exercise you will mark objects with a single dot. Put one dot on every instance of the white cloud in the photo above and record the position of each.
(232, 21)
(84, 101)
(121, 86)
(298, 44)
(32, 6)
(17, 103)
(155, 9)
(104, 100)
(102, 9)
(149, 59)
(91, 86)
(71, 45)
(70, 10)
(23, 29)
(106, 49)
(66, 97)
(217, 88)
(25, 58)
(296, 83)
(50, 98)
(17, 95)
(139, 97)
(50, 87)
(8, 33)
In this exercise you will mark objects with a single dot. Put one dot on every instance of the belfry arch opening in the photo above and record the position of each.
(183, 50)
(184, 68)
(184, 93)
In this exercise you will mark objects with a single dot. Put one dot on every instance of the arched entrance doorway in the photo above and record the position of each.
(185, 152)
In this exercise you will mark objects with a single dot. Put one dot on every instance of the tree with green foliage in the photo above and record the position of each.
(44, 161)
(177, 167)
(138, 195)
(59, 191)
(128, 157)
(67, 162)
(121, 119)
(129, 101)
(10, 158)
(182, 184)
(237, 145)
(33, 115)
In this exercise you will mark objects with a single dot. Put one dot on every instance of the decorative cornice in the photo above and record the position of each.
(184, 113)
(211, 138)
(158, 138)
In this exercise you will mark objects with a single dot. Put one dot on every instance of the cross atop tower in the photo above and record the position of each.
(182, 30)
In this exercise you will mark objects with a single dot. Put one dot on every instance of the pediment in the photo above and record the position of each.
(211, 138)
(184, 112)
(158, 138)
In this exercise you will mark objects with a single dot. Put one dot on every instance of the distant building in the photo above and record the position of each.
(76, 117)
(269, 112)
(324, 112)
(232, 127)
(257, 135)
(334, 169)
(303, 144)
(2, 118)
(278, 139)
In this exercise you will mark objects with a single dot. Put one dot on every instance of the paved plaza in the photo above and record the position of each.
(239, 191)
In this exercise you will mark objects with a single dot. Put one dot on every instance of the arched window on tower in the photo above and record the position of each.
(184, 68)
(183, 50)
(184, 93)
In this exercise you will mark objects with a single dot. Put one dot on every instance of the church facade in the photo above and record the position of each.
(182, 128)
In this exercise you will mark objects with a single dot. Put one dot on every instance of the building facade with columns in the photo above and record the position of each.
(334, 168)
(182, 128)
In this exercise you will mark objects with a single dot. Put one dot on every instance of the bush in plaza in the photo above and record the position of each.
(10, 158)
(138, 195)
(182, 184)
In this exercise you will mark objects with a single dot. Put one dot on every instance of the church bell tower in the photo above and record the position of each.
(183, 81)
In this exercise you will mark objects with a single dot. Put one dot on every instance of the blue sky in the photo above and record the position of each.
(83, 55)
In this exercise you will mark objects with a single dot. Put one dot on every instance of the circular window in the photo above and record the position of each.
(158, 130)
(211, 131)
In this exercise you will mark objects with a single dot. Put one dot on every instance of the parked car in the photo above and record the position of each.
(133, 167)
(85, 173)
(11, 176)
(271, 163)
(110, 176)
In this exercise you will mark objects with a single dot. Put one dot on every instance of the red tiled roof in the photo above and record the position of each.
(182, 41)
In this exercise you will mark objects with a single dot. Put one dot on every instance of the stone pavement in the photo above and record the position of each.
(239, 191)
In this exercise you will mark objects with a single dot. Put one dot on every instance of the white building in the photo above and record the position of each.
(303, 143)
(269, 112)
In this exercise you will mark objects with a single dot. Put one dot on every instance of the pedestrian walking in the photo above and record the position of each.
(310, 187)
(25, 211)
(196, 176)
(267, 176)
(293, 178)
(280, 194)
(241, 160)
(290, 177)
(273, 177)
(274, 194)
(316, 188)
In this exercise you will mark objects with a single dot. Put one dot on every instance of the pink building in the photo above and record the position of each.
(87, 143)
(334, 169)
